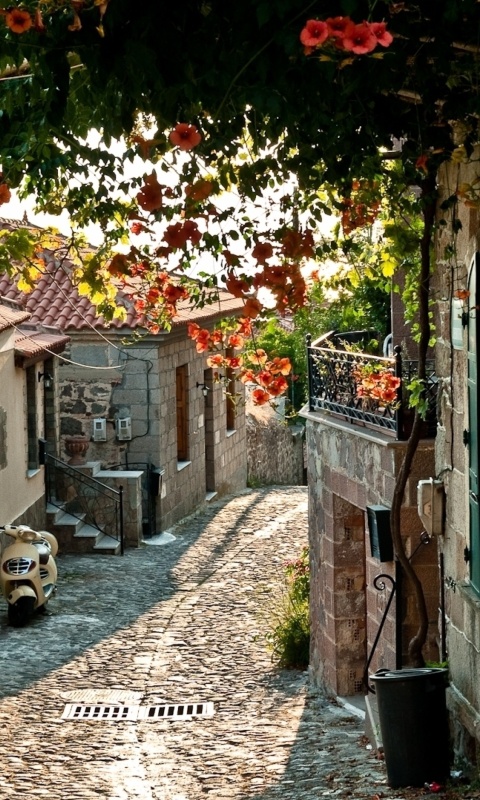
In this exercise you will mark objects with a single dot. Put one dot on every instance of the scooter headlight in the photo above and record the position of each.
(18, 566)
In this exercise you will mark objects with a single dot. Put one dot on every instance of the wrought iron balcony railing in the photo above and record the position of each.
(367, 390)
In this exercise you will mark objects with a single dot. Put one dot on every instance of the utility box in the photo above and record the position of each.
(124, 429)
(99, 430)
(381, 545)
(430, 505)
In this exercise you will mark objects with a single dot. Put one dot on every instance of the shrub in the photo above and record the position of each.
(289, 637)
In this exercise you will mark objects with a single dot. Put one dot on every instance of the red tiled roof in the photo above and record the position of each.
(11, 314)
(55, 301)
(29, 344)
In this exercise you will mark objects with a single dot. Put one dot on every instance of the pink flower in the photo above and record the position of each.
(314, 33)
(379, 30)
(360, 39)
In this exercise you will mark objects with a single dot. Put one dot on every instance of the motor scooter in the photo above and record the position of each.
(28, 573)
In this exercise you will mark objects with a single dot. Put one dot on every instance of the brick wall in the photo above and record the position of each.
(349, 470)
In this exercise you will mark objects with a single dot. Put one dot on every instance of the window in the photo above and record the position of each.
(182, 414)
(32, 423)
(230, 394)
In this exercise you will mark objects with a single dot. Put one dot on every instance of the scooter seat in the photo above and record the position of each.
(43, 552)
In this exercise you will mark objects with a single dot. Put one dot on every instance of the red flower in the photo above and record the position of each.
(262, 251)
(260, 397)
(18, 21)
(379, 30)
(175, 235)
(150, 195)
(193, 330)
(360, 39)
(137, 227)
(338, 27)
(4, 193)
(278, 386)
(244, 326)
(191, 231)
(185, 136)
(252, 308)
(199, 191)
(421, 163)
(264, 378)
(203, 341)
(234, 362)
(314, 33)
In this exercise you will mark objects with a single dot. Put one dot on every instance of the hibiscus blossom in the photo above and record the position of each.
(260, 397)
(338, 27)
(360, 39)
(150, 195)
(379, 30)
(185, 136)
(18, 21)
(5, 194)
(314, 33)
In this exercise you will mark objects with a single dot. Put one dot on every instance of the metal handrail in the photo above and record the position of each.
(85, 498)
(333, 387)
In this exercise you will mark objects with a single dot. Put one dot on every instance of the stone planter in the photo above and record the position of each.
(76, 447)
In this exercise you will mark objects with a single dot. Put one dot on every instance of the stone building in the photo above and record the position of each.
(28, 412)
(147, 403)
(457, 300)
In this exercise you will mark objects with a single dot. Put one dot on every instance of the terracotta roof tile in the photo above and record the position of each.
(11, 314)
(32, 343)
(55, 301)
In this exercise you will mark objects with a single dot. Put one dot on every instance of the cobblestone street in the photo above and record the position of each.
(183, 622)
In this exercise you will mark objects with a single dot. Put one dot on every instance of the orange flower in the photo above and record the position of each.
(193, 330)
(252, 308)
(234, 362)
(236, 341)
(258, 356)
(262, 251)
(278, 386)
(185, 136)
(264, 378)
(199, 190)
(236, 286)
(4, 193)
(462, 294)
(282, 365)
(421, 163)
(150, 195)
(260, 397)
(216, 360)
(247, 376)
(244, 326)
(174, 293)
(203, 341)
(18, 21)
(175, 235)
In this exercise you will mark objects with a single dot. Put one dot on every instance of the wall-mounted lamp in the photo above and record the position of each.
(205, 389)
(47, 379)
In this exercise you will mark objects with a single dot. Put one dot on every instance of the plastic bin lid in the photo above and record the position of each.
(406, 674)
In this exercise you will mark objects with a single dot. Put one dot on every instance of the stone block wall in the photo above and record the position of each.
(141, 384)
(349, 470)
(461, 601)
(275, 451)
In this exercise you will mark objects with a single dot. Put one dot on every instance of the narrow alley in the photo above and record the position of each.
(182, 623)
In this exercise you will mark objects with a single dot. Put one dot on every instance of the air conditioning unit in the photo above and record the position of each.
(124, 429)
(99, 430)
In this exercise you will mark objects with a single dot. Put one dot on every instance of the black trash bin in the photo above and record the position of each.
(414, 725)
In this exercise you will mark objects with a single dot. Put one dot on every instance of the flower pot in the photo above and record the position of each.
(76, 447)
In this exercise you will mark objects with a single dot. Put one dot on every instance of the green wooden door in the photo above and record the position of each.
(473, 416)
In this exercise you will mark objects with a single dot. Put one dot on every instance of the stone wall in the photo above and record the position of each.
(275, 450)
(452, 456)
(350, 469)
(140, 384)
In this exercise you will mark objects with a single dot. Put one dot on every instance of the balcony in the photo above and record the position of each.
(366, 390)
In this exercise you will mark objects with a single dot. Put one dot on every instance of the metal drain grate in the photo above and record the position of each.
(115, 712)
(177, 711)
(74, 711)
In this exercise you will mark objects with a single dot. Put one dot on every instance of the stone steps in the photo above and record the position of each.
(76, 536)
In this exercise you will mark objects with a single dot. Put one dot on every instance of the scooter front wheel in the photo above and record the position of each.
(20, 612)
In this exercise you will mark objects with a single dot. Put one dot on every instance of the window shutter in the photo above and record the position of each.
(473, 419)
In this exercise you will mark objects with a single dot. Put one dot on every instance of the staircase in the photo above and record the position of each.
(74, 535)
